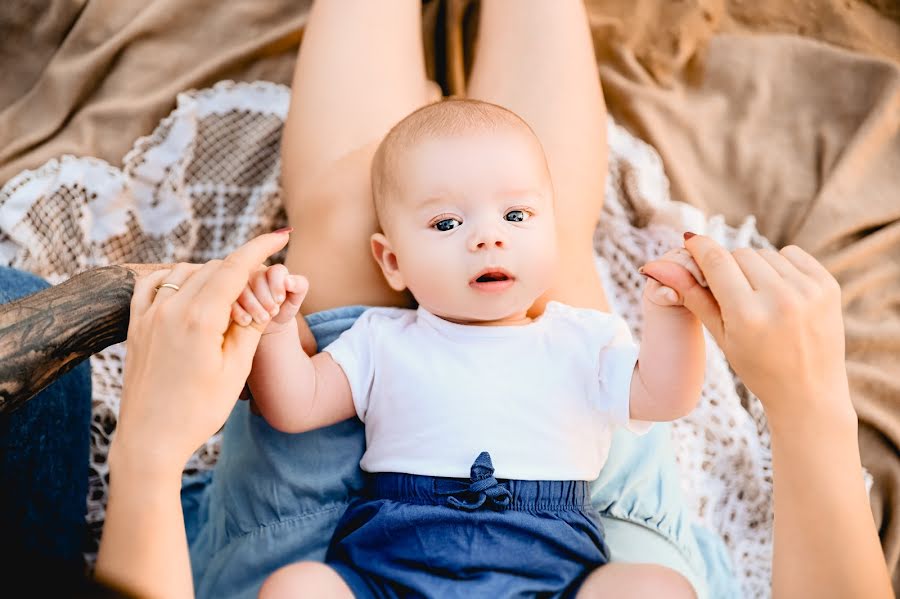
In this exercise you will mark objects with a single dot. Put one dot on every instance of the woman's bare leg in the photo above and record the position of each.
(360, 70)
(304, 579)
(536, 57)
(636, 580)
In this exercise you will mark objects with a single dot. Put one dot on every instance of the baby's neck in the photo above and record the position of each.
(517, 319)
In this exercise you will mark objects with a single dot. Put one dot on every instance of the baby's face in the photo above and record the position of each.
(474, 230)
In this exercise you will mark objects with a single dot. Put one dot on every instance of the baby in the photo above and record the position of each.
(484, 425)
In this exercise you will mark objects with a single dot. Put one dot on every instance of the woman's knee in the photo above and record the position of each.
(308, 579)
(636, 580)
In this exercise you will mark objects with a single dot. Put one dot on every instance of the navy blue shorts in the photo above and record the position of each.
(411, 535)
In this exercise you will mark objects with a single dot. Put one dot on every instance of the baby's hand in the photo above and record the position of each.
(661, 295)
(271, 298)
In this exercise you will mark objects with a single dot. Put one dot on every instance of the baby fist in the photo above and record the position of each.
(271, 299)
(662, 295)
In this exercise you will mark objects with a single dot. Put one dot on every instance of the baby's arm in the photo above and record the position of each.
(292, 391)
(296, 393)
(669, 374)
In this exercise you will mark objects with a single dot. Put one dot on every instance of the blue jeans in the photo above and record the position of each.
(44, 448)
(275, 498)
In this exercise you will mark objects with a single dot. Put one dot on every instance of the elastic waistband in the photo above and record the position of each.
(466, 494)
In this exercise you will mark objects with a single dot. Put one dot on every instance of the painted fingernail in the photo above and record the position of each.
(284, 230)
(688, 235)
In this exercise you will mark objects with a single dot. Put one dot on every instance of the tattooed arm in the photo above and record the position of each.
(46, 334)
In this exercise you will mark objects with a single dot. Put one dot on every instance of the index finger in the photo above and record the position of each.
(234, 272)
(725, 279)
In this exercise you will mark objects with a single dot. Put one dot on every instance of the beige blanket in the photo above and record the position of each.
(806, 136)
(802, 134)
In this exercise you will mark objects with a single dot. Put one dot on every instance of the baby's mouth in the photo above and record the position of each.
(492, 280)
(491, 276)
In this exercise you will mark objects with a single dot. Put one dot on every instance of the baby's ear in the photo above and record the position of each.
(387, 260)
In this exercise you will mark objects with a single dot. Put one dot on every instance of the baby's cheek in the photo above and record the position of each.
(430, 281)
(543, 252)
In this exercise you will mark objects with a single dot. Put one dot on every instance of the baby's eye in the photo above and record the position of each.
(447, 224)
(517, 216)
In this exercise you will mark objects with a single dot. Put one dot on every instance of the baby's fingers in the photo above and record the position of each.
(659, 294)
(296, 287)
(247, 300)
(276, 276)
(259, 284)
(683, 257)
(239, 315)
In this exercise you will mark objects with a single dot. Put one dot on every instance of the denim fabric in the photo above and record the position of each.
(423, 536)
(44, 449)
(276, 498)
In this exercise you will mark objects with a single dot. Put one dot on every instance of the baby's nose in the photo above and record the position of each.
(496, 243)
(484, 242)
(487, 237)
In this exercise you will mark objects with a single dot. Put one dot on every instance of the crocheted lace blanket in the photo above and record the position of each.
(206, 180)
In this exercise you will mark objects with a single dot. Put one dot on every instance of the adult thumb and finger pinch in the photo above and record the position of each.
(186, 359)
(775, 315)
(733, 278)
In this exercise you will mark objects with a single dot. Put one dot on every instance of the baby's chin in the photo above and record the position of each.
(482, 315)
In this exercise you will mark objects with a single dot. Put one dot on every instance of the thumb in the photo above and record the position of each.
(698, 299)
(238, 347)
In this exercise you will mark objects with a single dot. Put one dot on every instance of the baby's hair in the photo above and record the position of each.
(444, 118)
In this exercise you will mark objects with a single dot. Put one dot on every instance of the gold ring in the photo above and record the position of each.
(169, 285)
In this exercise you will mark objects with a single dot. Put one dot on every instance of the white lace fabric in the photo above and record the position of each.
(206, 181)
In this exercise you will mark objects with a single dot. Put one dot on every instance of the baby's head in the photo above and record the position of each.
(464, 199)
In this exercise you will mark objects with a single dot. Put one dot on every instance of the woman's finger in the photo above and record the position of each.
(758, 272)
(145, 291)
(235, 269)
(240, 263)
(240, 342)
(177, 277)
(807, 264)
(683, 257)
(789, 273)
(725, 278)
(779, 263)
(209, 312)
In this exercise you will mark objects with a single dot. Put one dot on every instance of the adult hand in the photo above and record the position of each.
(776, 316)
(186, 359)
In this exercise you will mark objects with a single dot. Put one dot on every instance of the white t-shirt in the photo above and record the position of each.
(542, 398)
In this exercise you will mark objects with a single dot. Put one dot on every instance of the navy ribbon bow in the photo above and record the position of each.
(483, 488)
